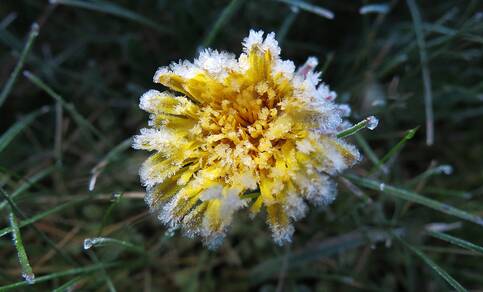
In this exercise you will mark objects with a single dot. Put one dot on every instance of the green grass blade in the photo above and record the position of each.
(320, 11)
(117, 199)
(438, 170)
(19, 126)
(423, 55)
(34, 32)
(113, 9)
(369, 122)
(28, 183)
(225, 16)
(286, 25)
(44, 214)
(45, 238)
(110, 157)
(103, 241)
(82, 122)
(27, 272)
(457, 241)
(67, 286)
(331, 246)
(75, 271)
(104, 275)
(449, 192)
(450, 280)
(414, 198)
(367, 149)
(395, 149)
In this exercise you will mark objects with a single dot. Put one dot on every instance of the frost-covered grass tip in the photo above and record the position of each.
(231, 126)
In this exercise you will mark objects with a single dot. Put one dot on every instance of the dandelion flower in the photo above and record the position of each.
(230, 126)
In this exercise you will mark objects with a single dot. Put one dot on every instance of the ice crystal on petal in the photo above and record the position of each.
(216, 63)
(231, 126)
(282, 234)
(255, 38)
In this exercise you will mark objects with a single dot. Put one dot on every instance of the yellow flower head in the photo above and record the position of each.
(229, 127)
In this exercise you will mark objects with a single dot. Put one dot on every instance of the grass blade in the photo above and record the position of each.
(110, 156)
(116, 200)
(27, 272)
(82, 122)
(67, 286)
(310, 8)
(112, 9)
(414, 198)
(449, 192)
(369, 122)
(19, 126)
(394, 150)
(75, 271)
(382, 8)
(19, 212)
(109, 283)
(34, 32)
(225, 16)
(28, 183)
(457, 241)
(437, 170)
(428, 95)
(450, 280)
(286, 25)
(8, 20)
(102, 241)
(44, 214)
(331, 246)
(367, 149)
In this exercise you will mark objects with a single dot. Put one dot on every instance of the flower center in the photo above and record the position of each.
(238, 123)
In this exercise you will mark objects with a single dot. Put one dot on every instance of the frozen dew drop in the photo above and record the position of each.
(35, 28)
(446, 169)
(116, 196)
(372, 122)
(92, 183)
(382, 186)
(95, 241)
(29, 277)
(88, 243)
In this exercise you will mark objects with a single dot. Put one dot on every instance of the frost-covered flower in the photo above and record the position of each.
(231, 126)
